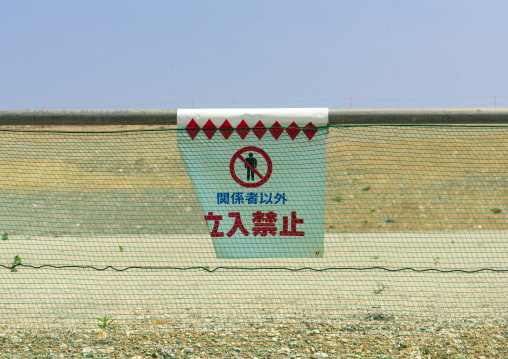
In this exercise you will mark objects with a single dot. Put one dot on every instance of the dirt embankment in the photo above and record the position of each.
(379, 179)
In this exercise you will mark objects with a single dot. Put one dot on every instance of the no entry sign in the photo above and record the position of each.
(260, 178)
(251, 164)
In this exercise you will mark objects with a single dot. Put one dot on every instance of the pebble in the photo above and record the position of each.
(318, 355)
(87, 352)
(284, 351)
(107, 350)
(16, 339)
(101, 334)
(165, 352)
(187, 350)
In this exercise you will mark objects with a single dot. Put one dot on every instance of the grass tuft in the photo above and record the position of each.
(15, 263)
(380, 288)
(106, 322)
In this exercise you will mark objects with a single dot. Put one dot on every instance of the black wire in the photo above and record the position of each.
(301, 269)
(159, 129)
(175, 129)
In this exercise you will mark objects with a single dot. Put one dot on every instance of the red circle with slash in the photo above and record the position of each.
(262, 179)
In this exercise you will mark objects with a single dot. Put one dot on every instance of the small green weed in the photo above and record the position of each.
(366, 188)
(337, 199)
(436, 260)
(121, 248)
(380, 288)
(495, 210)
(5, 236)
(15, 263)
(375, 258)
(207, 268)
(106, 322)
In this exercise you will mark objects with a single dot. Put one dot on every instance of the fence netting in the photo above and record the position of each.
(105, 252)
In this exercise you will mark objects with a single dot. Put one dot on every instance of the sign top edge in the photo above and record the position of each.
(268, 116)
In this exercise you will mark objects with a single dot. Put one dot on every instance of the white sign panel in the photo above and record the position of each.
(259, 175)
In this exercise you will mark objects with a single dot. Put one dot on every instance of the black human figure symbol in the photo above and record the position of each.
(254, 163)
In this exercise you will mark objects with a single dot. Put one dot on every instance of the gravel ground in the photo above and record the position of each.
(267, 336)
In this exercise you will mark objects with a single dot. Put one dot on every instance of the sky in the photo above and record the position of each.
(101, 54)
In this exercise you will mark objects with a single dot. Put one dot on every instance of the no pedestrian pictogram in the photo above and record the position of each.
(251, 164)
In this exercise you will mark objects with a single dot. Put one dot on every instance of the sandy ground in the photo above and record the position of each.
(348, 308)
(89, 294)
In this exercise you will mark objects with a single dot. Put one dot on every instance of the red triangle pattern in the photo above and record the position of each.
(243, 130)
(226, 129)
(293, 130)
(209, 129)
(259, 130)
(276, 130)
(192, 129)
(310, 130)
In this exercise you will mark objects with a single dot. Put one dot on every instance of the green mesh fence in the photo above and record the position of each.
(105, 252)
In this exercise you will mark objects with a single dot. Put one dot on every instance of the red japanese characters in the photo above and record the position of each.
(263, 224)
